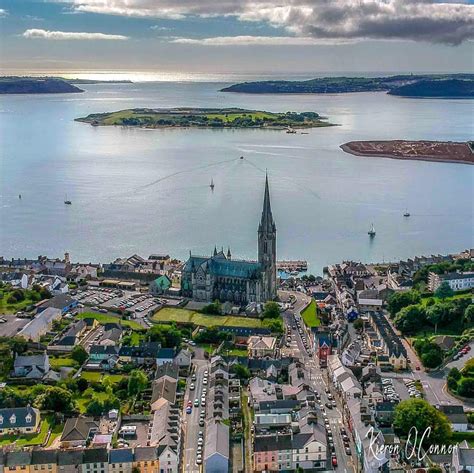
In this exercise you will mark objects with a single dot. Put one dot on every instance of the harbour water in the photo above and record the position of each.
(147, 191)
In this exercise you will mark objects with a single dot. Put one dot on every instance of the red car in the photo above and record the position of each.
(334, 461)
(467, 347)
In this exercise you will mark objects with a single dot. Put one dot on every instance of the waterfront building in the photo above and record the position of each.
(456, 281)
(207, 278)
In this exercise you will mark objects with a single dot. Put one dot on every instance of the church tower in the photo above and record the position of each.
(267, 248)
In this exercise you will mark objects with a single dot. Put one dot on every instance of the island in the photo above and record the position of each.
(436, 89)
(451, 83)
(206, 118)
(439, 151)
(30, 85)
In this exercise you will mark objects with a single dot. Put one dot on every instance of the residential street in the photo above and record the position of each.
(319, 382)
(191, 421)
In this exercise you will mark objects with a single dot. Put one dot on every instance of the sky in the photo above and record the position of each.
(236, 36)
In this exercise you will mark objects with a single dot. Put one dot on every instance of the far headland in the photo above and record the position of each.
(437, 151)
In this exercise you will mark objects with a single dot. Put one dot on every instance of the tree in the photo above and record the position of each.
(241, 371)
(466, 387)
(212, 309)
(137, 382)
(469, 314)
(358, 324)
(271, 310)
(432, 358)
(168, 335)
(79, 354)
(455, 374)
(435, 469)
(444, 291)
(410, 318)
(452, 384)
(435, 315)
(399, 300)
(420, 414)
(82, 384)
(275, 325)
(212, 335)
(56, 399)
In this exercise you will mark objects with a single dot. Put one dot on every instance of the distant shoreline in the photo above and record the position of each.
(402, 150)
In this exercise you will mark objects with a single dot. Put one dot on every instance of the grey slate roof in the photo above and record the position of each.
(269, 443)
(145, 454)
(95, 455)
(17, 459)
(217, 440)
(44, 457)
(20, 414)
(122, 455)
(78, 429)
(69, 457)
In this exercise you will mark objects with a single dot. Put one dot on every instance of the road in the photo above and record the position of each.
(433, 382)
(319, 382)
(191, 422)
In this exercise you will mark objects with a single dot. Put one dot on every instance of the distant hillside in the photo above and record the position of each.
(338, 85)
(29, 85)
(436, 88)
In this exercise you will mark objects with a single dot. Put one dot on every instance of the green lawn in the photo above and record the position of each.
(425, 300)
(60, 362)
(28, 439)
(171, 314)
(106, 318)
(310, 315)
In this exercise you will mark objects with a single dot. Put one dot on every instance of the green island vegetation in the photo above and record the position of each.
(14, 299)
(436, 88)
(310, 315)
(204, 118)
(461, 382)
(36, 85)
(425, 316)
(428, 85)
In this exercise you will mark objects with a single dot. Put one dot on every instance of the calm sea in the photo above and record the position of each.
(147, 191)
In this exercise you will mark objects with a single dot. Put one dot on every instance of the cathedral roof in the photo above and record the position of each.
(219, 265)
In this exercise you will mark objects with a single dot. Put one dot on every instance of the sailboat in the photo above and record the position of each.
(406, 214)
(211, 185)
(66, 201)
(371, 232)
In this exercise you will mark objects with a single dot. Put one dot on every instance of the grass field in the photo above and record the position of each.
(310, 315)
(57, 363)
(171, 314)
(105, 319)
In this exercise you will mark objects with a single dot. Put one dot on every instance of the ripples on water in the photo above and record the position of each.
(142, 191)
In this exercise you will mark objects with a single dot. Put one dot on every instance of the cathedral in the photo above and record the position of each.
(219, 277)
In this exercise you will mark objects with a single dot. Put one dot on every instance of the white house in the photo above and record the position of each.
(456, 281)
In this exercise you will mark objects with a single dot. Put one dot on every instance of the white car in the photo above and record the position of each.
(191, 387)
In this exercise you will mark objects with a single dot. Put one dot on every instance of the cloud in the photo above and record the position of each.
(67, 35)
(249, 41)
(3, 13)
(447, 22)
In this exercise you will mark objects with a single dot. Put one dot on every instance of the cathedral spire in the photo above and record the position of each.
(215, 250)
(267, 223)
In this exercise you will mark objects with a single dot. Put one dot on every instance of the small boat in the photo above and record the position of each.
(241, 157)
(371, 232)
(406, 214)
(67, 201)
(290, 130)
(19, 196)
(211, 185)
